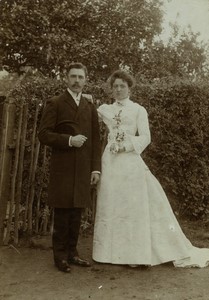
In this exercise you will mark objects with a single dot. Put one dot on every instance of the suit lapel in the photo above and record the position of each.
(82, 105)
(69, 100)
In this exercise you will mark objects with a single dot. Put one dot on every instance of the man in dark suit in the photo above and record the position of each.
(69, 125)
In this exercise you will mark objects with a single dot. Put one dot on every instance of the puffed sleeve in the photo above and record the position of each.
(100, 111)
(140, 142)
(104, 113)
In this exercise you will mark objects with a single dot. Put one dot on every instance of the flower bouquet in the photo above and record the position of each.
(118, 136)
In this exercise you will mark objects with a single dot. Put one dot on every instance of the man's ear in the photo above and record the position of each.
(65, 78)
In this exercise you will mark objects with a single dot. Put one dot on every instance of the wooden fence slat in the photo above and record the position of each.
(20, 173)
(40, 191)
(46, 219)
(14, 177)
(32, 188)
(33, 140)
(7, 135)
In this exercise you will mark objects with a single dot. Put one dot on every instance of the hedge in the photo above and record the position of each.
(178, 155)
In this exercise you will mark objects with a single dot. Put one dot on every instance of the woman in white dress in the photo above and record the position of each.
(134, 222)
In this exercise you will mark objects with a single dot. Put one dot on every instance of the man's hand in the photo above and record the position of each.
(95, 178)
(78, 140)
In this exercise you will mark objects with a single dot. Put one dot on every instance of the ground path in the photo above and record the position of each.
(29, 274)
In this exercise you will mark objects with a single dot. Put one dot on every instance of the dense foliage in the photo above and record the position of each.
(171, 82)
(102, 34)
(179, 156)
(178, 115)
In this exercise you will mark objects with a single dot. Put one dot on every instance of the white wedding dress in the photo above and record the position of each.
(134, 221)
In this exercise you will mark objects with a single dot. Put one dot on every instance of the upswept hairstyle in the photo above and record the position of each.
(76, 65)
(120, 74)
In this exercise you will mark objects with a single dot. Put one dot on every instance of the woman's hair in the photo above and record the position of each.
(76, 65)
(120, 74)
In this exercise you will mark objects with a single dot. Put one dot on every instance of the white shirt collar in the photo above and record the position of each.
(76, 97)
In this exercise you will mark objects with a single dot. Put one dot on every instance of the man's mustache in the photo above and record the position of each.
(76, 85)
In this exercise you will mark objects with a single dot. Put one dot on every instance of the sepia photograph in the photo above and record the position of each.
(104, 149)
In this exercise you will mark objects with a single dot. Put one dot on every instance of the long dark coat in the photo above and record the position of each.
(71, 167)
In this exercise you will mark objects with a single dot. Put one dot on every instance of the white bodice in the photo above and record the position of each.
(131, 119)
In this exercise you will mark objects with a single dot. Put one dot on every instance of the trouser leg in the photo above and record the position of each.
(66, 232)
(74, 228)
(60, 234)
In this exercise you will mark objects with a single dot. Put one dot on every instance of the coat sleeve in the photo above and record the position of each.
(140, 142)
(47, 129)
(96, 143)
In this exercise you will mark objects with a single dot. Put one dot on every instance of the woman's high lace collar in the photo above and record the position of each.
(123, 102)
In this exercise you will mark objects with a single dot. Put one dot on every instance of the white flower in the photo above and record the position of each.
(118, 135)
(172, 227)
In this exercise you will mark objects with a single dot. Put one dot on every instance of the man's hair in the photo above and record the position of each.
(120, 74)
(76, 65)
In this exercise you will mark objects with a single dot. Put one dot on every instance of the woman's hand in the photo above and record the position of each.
(116, 148)
(121, 149)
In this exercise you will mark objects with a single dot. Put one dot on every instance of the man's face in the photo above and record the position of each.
(76, 80)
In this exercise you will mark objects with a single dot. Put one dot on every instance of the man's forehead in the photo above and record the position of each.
(75, 71)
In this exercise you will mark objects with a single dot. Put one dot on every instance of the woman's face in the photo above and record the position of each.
(120, 89)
